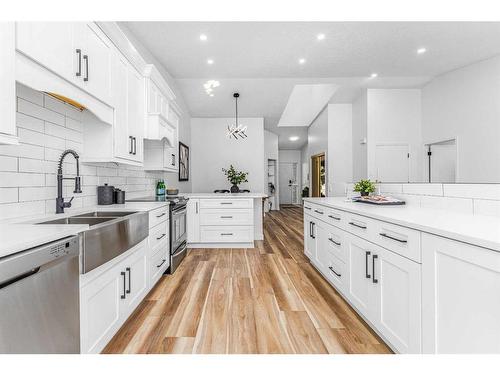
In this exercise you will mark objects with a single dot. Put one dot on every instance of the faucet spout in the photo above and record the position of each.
(60, 204)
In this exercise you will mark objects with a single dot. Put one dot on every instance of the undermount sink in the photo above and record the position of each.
(80, 220)
(106, 214)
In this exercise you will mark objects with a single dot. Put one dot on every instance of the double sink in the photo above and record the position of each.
(109, 235)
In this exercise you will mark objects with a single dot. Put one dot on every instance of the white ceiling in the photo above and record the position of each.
(260, 60)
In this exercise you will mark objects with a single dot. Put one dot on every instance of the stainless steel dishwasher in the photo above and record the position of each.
(39, 299)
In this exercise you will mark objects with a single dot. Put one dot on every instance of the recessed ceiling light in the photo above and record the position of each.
(373, 75)
(294, 138)
(203, 37)
(421, 50)
(302, 61)
(210, 61)
(320, 36)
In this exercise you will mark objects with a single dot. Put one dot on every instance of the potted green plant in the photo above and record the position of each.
(235, 178)
(364, 187)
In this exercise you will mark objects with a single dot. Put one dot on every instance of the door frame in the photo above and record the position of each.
(314, 175)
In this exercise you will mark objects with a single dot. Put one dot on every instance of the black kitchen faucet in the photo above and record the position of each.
(60, 204)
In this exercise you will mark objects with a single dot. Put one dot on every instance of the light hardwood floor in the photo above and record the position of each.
(263, 300)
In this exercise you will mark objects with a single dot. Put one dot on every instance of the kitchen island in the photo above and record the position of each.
(224, 220)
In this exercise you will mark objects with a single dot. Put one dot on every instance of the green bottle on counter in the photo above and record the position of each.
(160, 188)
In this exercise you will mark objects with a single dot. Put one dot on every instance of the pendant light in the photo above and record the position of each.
(236, 131)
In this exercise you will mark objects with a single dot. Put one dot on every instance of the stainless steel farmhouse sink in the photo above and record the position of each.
(110, 234)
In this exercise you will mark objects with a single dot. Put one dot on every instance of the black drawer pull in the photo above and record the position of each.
(159, 238)
(333, 241)
(319, 212)
(129, 280)
(338, 274)
(375, 256)
(226, 234)
(307, 208)
(367, 254)
(79, 53)
(357, 225)
(86, 59)
(226, 202)
(334, 217)
(392, 238)
(161, 264)
(124, 285)
(226, 217)
(163, 214)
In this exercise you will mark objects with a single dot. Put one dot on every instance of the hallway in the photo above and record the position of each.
(263, 300)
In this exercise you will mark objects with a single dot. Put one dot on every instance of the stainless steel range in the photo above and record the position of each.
(178, 230)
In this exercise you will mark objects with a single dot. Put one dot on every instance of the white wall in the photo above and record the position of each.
(212, 150)
(305, 165)
(317, 140)
(271, 152)
(359, 132)
(465, 103)
(394, 117)
(184, 120)
(339, 148)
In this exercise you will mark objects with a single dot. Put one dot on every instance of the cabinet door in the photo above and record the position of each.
(193, 221)
(136, 111)
(51, 44)
(154, 98)
(309, 240)
(398, 300)
(460, 297)
(360, 286)
(136, 278)
(7, 80)
(123, 143)
(96, 62)
(100, 309)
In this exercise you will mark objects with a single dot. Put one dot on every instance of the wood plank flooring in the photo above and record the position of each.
(263, 300)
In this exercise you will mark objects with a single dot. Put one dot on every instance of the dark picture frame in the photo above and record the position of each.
(183, 162)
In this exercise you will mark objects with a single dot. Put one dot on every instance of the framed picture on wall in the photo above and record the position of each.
(183, 162)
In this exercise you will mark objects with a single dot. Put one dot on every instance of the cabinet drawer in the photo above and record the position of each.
(334, 217)
(157, 216)
(158, 263)
(359, 225)
(335, 242)
(226, 233)
(226, 203)
(315, 210)
(401, 240)
(158, 234)
(226, 217)
(336, 272)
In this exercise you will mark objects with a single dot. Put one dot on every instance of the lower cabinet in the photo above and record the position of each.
(193, 220)
(309, 237)
(461, 297)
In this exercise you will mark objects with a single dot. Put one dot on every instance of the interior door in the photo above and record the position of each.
(51, 44)
(361, 291)
(288, 183)
(392, 163)
(443, 162)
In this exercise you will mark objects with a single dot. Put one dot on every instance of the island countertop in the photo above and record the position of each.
(224, 195)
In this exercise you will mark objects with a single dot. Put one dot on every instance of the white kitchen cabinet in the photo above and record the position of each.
(135, 112)
(122, 141)
(193, 220)
(460, 297)
(51, 44)
(309, 238)
(7, 84)
(76, 51)
(107, 300)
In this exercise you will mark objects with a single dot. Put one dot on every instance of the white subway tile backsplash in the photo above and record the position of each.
(391, 188)
(479, 191)
(8, 164)
(487, 207)
(37, 111)
(22, 150)
(28, 122)
(30, 95)
(55, 130)
(462, 205)
(74, 124)
(37, 193)
(8, 195)
(423, 189)
(13, 179)
(54, 104)
(10, 210)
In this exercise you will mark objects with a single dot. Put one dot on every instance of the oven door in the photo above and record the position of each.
(178, 233)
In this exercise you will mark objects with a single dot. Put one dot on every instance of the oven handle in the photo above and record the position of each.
(183, 248)
(179, 212)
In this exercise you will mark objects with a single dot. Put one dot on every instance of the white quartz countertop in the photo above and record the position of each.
(224, 195)
(23, 232)
(473, 229)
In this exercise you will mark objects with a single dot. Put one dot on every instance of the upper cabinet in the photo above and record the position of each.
(77, 52)
(7, 84)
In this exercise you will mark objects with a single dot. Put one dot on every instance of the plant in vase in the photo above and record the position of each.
(364, 187)
(235, 178)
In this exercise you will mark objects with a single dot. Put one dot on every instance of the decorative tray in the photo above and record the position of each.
(379, 200)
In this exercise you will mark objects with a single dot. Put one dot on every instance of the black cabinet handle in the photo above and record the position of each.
(124, 287)
(131, 148)
(135, 146)
(333, 241)
(226, 234)
(319, 212)
(367, 254)
(196, 207)
(86, 58)
(226, 202)
(338, 274)
(392, 238)
(226, 217)
(79, 53)
(313, 225)
(307, 208)
(159, 238)
(173, 160)
(334, 217)
(375, 256)
(129, 280)
(163, 214)
(310, 229)
(357, 225)
(161, 264)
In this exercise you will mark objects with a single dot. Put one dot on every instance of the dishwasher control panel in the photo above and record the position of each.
(64, 247)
